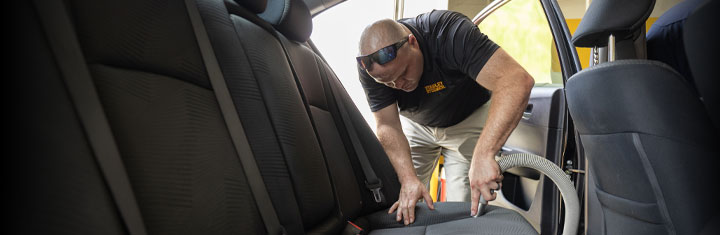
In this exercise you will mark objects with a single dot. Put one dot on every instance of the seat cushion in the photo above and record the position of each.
(452, 218)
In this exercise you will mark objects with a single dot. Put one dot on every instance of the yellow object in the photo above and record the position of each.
(434, 180)
(434, 87)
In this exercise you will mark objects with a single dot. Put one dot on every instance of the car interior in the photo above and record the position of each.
(222, 117)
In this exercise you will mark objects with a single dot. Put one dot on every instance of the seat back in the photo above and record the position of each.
(701, 48)
(325, 95)
(326, 178)
(273, 114)
(649, 143)
(148, 72)
(650, 154)
(182, 166)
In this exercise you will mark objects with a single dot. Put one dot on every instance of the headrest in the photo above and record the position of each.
(256, 6)
(621, 18)
(290, 17)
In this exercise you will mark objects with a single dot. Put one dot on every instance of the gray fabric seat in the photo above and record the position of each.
(291, 19)
(452, 218)
(701, 49)
(650, 154)
(164, 116)
(152, 83)
(650, 143)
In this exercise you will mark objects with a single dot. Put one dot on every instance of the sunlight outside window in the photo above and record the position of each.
(336, 33)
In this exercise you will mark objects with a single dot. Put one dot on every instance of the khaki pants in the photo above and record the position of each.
(456, 143)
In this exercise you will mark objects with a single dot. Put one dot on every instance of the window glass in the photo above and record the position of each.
(336, 33)
(521, 28)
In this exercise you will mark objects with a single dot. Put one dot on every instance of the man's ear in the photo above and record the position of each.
(413, 41)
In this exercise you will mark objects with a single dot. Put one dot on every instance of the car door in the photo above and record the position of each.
(535, 34)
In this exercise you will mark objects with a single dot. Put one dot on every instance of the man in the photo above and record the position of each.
(439, 71)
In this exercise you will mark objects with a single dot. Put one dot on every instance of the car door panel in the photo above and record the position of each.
(539, 132)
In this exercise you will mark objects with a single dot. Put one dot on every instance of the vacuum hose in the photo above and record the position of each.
(552, 171)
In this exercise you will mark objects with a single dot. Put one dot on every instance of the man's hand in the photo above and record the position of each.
(484, 175)
(410, 192)
(389, 132)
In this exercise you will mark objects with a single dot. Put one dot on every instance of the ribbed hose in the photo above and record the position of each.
(552, 171)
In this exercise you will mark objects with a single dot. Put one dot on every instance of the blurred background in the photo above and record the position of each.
(519, 27)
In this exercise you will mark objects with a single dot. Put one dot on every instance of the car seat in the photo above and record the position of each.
(649, 140)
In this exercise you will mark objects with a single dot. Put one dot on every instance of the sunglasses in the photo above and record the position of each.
(382, 56)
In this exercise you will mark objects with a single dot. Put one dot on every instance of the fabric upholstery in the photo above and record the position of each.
(649, 146)
(54, 184)
(182, 165)
(152, 84)
(453, 218)
(701, 49)
(256, 6)
(291, 18)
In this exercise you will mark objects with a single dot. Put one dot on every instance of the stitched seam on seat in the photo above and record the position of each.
(148, 72)
(621, 63)
(650, 172)
(682, 141)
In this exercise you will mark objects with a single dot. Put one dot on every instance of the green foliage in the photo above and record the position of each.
(521, 29)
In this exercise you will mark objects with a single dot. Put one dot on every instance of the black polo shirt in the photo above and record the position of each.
(454, 51)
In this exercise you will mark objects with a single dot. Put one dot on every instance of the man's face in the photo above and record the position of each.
(403, 72)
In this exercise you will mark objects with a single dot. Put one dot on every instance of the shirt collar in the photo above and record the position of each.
(427, 64)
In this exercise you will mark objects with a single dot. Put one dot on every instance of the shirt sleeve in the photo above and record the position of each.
(378, 95)
(462, 44)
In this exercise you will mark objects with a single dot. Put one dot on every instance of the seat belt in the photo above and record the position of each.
(237, 133)
(71, 62)
(372, 182)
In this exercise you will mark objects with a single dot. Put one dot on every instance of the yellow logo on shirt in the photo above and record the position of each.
(434, 87)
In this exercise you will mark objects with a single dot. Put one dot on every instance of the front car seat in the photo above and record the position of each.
(649, 141)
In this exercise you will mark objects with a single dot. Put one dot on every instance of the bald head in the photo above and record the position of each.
(380, 34)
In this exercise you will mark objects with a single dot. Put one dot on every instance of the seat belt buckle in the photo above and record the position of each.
(352, 229)
(376, 190)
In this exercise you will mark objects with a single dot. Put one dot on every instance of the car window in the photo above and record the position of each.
(336, 33)
(521, 28)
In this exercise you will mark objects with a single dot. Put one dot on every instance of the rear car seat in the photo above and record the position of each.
(293, 21)
(183, 169)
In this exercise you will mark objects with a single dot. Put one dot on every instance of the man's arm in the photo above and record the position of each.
(510, 85)
(390, 134)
